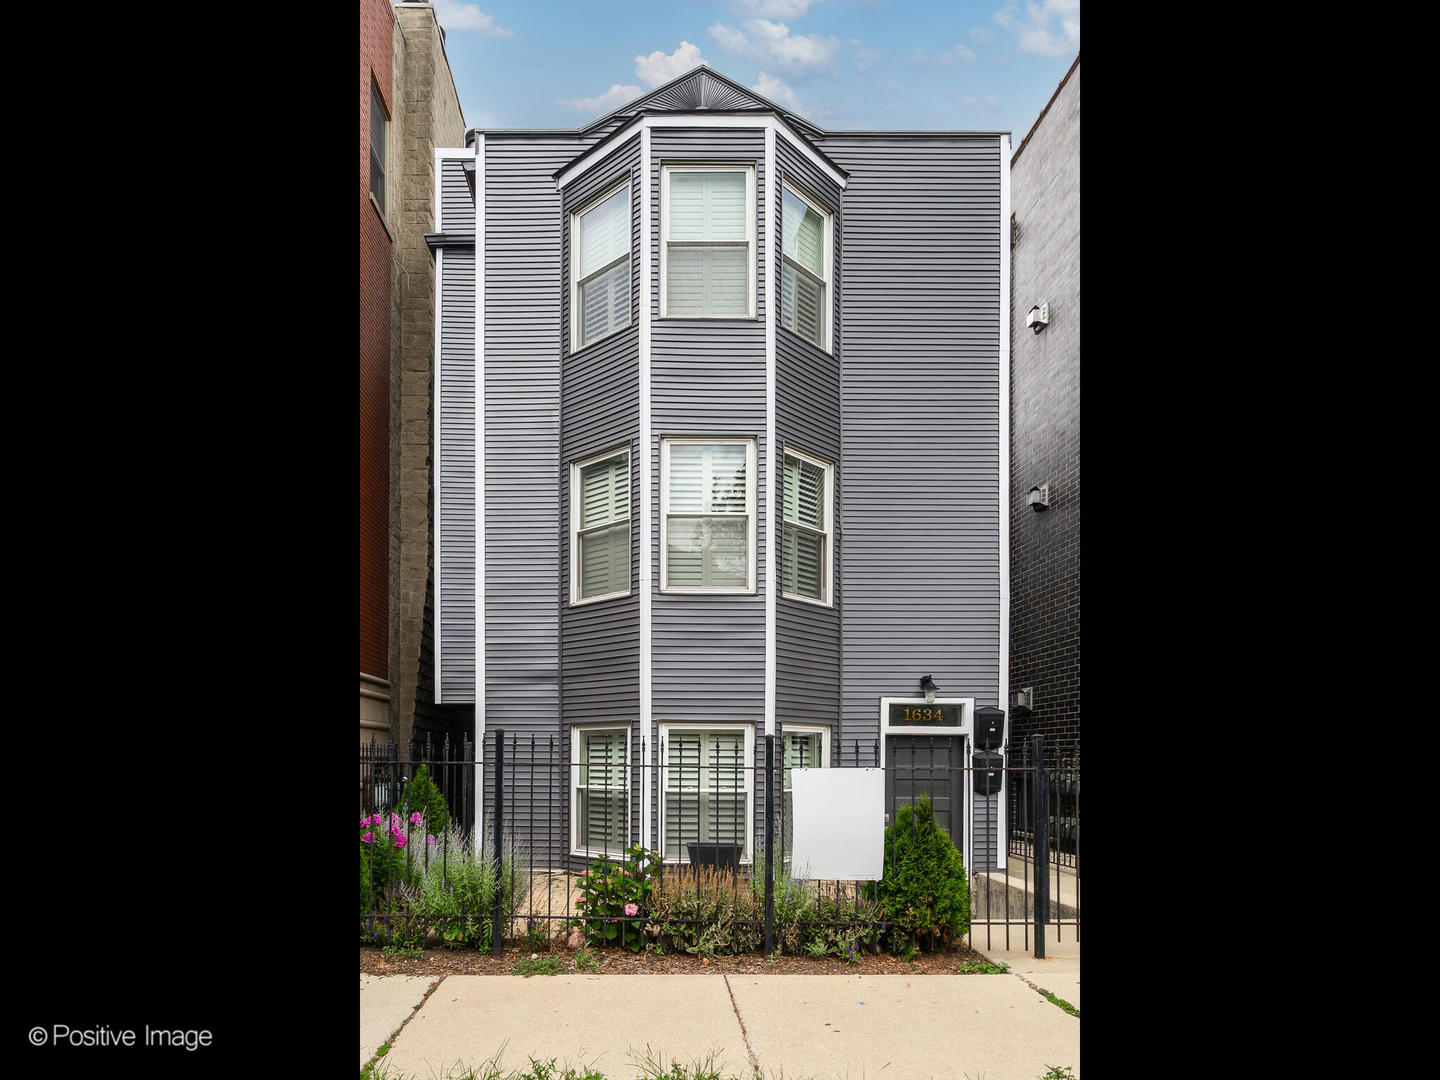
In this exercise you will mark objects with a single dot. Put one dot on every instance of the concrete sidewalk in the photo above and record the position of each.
(847, 1027)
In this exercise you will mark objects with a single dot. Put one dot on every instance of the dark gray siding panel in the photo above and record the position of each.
(600, 391)
(807, 404)
(708, 378)
(455, 470)
(920, 298)
(457, 204)
(522, 432)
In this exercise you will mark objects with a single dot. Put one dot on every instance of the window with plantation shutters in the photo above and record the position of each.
(600, 527)
(600, 242)
(707, 523)
(804, 267)
(708, 243)
(805, 565)
(804, 749)
(706, 788)
(600, 803)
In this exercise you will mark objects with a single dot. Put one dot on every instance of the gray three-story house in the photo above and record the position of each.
(720, 430)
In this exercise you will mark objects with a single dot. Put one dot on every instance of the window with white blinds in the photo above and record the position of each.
(804, 267)
(805, 564)
(600, 242)
(706, 788)
(707, 523)
(600, 527)
(708, 242)
(805, 748)
(600, 797)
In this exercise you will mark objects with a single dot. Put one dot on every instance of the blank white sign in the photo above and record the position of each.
(839, 824)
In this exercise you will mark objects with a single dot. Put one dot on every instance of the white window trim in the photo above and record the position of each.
(576, 848)
(750, 457)
(575, 467)
(749, 171)
(828, 600)
(575, 215)
(827, 310)
(749, 774)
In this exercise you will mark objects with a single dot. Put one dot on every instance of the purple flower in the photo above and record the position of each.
(366, 838)
(400, 841)
(415, 818)
(431, 839)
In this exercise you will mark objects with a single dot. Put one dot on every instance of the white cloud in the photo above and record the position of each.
(968, 100)
(773, 9)
(609, 101)
(453, 15)
(865, 57)
(658, 68)
(1052, 29)
(981, 37)
(772, 88)
(771, 43)
(957, 54)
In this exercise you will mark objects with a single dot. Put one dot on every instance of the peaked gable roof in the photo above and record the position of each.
(699, 90)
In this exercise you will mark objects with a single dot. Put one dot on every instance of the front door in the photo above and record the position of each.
(916, 764)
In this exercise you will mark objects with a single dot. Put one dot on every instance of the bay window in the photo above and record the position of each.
(600, 527)
(707, 520)
(805, 555)
(805, 267)
(707, 248)
(706, 787)
(600, 268)
(600, 791)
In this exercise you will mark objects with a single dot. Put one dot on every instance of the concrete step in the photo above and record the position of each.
(1016, 886)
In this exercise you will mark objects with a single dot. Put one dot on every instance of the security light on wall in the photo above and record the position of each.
(1038, 317)
(927, 684)
(1039, 497)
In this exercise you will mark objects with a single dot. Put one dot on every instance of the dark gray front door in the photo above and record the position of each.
(916, 764)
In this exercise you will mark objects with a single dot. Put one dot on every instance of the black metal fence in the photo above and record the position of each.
(551, 861)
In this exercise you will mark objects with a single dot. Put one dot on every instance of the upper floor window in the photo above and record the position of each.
(707, 520)
(707, 249)
(805, 545)
(600, 268)
(805, 267)
(379, 122)
(600, 527)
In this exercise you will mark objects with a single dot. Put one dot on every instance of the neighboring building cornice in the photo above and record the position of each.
(449, 239)
(1046, 109)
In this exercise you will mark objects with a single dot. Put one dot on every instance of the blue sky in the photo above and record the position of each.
(984, 65)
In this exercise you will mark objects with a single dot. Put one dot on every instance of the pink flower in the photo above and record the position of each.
(366, 838)
(415, 818)
(431, 838)
(632, 909)
(400, 841)
(378, 819)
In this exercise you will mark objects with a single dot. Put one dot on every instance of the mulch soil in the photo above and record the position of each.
(440, 962)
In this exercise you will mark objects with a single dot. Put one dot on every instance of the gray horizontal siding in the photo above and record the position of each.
(455, 471)
(708, 378)
(457, 213)
(920, 297)
(522, 431)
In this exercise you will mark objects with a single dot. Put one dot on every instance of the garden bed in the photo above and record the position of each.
(947, 960)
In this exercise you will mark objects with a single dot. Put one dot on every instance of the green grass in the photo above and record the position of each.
(984, 968)
(1071, 1009)
(1058, 1072)
(549, 964)
(651, 1067)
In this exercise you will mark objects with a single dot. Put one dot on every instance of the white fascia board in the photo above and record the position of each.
(772, 124)
(645, 455)
(479, 479)
(771, 555)
(1001, 831)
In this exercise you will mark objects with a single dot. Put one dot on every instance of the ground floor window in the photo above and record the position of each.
(805, 747)
(706, 787)
(600, 790)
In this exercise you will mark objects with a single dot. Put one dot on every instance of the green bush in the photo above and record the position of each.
(422, 796)
(924, 891)
(615, 898)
